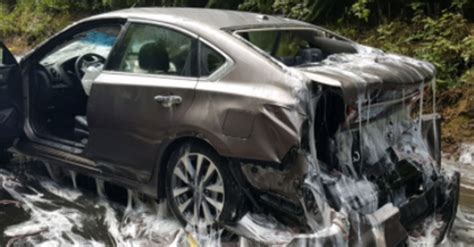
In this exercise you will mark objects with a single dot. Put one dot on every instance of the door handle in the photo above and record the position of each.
(168, 100)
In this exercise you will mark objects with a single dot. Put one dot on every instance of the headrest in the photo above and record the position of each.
(310, 55)
(153, 57)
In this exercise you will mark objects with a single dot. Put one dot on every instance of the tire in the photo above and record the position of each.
(210, 198)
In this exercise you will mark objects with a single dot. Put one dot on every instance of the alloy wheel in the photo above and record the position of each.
(198, 189)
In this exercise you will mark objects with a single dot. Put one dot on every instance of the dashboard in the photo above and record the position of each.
(62, 75)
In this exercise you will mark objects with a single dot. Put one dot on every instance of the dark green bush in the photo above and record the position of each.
(435, 30)
(447, 42)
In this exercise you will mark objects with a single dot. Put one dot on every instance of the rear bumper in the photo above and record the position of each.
(392, 226)
(441, 201)
(388, 226)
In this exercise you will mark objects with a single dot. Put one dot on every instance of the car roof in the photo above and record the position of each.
(216, 18)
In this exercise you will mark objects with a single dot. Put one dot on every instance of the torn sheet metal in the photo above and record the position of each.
(362, 73)
(382, 164)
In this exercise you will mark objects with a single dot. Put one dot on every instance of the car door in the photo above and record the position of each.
(146, 88)
(11, 120)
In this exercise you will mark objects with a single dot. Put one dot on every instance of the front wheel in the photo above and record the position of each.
(200, 188)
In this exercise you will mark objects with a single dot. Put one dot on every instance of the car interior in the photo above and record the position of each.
(297, 47)
(58, 95)
(62, 79)
(144, 43)
(300, 48)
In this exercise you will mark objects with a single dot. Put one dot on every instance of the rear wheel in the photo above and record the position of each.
(200, 188)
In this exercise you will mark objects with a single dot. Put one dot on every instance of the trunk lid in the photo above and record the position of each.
(373, 75)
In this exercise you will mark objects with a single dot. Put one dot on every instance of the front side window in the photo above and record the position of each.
(98, 40)
(150, 49)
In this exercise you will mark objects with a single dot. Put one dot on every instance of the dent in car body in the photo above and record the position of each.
(359, 76)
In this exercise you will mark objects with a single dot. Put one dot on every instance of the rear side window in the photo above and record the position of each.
(209, 60)
(151, 49)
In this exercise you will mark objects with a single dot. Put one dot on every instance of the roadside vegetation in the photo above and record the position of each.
(439, 31)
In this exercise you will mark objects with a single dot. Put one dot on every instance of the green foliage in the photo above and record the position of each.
(30, 21)
(360, 10)
(467, 53)
(33, 21)
(447, 42)
(261, 6)
(306, 10)
(302, 10)
(376, 12)
(439, 31)
(459, 4)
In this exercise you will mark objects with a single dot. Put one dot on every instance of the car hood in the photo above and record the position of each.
(360, 73)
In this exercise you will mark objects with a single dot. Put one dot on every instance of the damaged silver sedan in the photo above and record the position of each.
(260, 124)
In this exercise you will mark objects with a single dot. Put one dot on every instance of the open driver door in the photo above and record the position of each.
(11, 117)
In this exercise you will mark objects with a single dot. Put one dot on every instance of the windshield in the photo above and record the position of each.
(296, 47)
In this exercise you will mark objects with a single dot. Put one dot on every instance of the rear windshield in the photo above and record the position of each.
(297, 47)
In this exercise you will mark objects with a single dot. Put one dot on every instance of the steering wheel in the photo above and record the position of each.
(85, 61)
